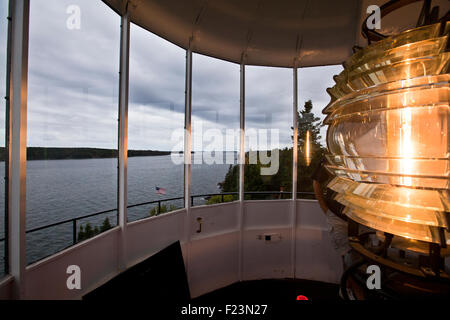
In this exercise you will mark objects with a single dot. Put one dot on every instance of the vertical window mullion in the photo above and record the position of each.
(123, 133)
(18, 79)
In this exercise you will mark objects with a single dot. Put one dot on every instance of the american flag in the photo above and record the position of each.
(160, 190)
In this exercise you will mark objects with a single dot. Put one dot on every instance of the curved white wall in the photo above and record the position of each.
(316, 258)
(267, 259)
(212, 256)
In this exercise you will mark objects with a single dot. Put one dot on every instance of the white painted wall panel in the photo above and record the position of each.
(263, 214)
(147, 237)
(6, 288)
(316, 258)
(219, 218)
(213, 263)
(310, 215)
(263, 259)
(97, 259)
(266, 259)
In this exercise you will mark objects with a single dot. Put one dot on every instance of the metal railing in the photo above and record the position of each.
(74, 221)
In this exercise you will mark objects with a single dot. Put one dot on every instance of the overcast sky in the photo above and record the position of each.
(73, 84)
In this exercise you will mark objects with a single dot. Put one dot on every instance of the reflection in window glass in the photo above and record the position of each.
(155, 126)
(268, 131)
(215, 130)
(72, 122)
(313, 98)
(3, 45)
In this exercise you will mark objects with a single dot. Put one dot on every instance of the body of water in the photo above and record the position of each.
(58, 190)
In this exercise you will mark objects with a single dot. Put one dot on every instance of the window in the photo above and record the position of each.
(215, 130)
(3, 48)
(155, 126)
(72, 123)
(313, 98)
(268, 132)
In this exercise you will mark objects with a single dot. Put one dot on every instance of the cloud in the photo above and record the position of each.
(74, 78)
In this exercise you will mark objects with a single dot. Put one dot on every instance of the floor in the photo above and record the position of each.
(275, 291)
(265, 299)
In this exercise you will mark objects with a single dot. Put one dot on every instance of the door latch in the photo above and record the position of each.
(200, 221)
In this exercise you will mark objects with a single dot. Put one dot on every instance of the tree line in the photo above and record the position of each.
(42, 153)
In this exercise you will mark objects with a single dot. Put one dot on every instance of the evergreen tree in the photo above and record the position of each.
(230, 184)
(164, 209)
(87, 231)
(81, 236)
(282, 180)
(106, 225)
(307, 121)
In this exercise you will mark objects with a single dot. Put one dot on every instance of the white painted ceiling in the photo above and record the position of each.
(269, 32)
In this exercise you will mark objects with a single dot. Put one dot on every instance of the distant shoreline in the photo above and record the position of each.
(40, 153)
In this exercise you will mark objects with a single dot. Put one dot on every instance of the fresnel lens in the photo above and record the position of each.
(388, 140)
